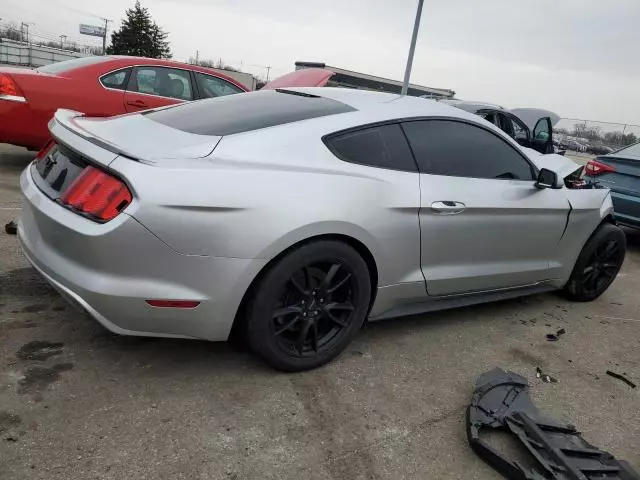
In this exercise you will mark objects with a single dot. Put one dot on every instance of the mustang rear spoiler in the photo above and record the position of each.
(152, 142)
(501, 401)
(64, 118)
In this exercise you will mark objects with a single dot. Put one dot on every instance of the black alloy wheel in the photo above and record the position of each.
(602, 267)
(309, 306)
(598, 264)
(315, 308)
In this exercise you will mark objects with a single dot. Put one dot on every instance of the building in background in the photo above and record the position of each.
(245, 79)
(349, 79)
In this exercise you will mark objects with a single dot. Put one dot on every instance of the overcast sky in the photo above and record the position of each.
(575, 57)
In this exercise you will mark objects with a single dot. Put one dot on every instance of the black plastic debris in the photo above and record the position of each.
(545, 377)
(554, 337)
(621, 378)
(501, 401)
(11, 228)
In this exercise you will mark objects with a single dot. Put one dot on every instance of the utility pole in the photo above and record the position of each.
(25, 26)
(62, 39)
(412, 48)
(104, 37)
(197, 55)
(268, 70)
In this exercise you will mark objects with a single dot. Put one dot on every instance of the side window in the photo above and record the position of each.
(164, 82)
(519, 131)
(445, 147)
(506, 125)
(541, 131)
(490, 117)
(383, 146)
(117, 80)
(513, 128)
(211, 86)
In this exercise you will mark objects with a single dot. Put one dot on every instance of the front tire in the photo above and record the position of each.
(598, 264)
(309, 305)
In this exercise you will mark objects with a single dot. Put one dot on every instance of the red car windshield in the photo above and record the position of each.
(67, 65)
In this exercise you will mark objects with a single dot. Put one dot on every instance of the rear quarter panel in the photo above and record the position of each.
(624, 184)
(259, 194)
(80, 91)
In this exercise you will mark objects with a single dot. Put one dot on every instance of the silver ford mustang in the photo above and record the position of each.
(291, 215)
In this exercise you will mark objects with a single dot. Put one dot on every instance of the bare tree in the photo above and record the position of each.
(11, 32)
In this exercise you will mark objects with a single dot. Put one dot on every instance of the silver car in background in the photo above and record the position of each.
(292, 215)
(530, 127)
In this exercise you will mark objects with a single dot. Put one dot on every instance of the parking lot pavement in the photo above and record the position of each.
(84, 403)
(578, 157)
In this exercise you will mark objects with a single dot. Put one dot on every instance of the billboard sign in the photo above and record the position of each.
(92, 30)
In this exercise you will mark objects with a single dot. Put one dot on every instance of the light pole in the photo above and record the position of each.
(412, 48)
(26, 27)
(104, 35)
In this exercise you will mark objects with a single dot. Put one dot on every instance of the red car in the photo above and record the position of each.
(98, 86)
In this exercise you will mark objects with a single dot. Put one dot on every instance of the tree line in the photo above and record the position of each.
(138, 36)
(595, 135)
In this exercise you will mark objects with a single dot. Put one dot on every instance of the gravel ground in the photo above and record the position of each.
(78, 402)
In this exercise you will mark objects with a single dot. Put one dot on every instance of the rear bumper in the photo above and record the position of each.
(20, 125)
(626, 209)
(111, 269)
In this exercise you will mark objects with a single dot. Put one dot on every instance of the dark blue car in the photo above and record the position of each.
(620, 172)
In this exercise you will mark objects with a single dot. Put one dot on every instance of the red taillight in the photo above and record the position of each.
(97, 194)
(173, 303)
(593, 168)
(45, 150)
(10, 89)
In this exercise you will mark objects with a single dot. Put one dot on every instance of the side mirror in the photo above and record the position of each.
(547, 179)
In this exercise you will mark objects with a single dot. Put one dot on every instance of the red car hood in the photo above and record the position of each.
(307, 77)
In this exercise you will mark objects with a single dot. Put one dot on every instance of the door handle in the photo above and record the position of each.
(447, 207)
(137, 103)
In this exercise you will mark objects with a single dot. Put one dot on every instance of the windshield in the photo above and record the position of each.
(67, 65)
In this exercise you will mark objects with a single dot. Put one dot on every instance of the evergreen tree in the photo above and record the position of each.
(139, 36)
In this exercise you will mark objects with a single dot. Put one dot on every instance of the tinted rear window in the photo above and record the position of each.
(245, 112)
(382, 146)
(67, 65)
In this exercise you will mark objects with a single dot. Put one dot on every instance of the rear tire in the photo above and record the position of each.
(597, 265)
(308, 306)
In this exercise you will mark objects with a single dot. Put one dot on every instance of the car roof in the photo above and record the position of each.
(387, 105)
(131, 61)
(360, 108)
(471, 106)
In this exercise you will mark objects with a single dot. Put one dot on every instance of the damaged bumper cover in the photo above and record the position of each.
(501, 401)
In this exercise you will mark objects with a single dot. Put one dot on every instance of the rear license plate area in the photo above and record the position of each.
(57, 170)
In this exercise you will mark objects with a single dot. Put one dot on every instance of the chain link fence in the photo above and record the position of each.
(593, 137)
